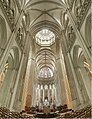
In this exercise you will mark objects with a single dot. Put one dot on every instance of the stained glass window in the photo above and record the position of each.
(45, 72)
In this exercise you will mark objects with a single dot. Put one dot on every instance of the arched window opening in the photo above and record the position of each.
(45, 73)
(45, 37)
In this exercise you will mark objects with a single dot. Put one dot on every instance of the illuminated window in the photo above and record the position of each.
(24, 17)
(63, 1)
(45, 37)
(45, 72)
(46, 87)
(66, 16)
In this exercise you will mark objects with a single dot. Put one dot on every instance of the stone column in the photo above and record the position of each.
(80, 38)
(12, 83)
(31, 82)
(81, 83)
(16, 100)
(16, 85)
(43, 93)
(72, 79)
(59, 76)
(10, 42)
(55, 96)
(60, 88)
(48, 94)
(86, 82)
(34, 94)
(31, 72)
(1, 52)
(28, 101)
(52, 94)
(65, 85)
(5, 88)
(50, 91)
(39, 95)
(75, 80)
(26, 83)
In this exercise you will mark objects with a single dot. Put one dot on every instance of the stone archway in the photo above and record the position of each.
(6, 80)
(3, 35)
(88, 32)
(84, 73)
(79, 70)
(9, 78)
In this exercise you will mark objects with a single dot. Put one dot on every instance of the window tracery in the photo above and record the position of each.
(45, 72)
(45, 37)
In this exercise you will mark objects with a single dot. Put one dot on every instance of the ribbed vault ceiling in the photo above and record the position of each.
(44, 11)
(44, 14)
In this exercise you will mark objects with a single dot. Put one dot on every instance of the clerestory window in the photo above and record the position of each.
(45, 37)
